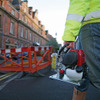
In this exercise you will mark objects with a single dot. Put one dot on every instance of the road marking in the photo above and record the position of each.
(6, 82)
(6, 75)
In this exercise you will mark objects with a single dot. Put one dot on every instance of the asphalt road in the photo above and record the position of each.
(42, 88)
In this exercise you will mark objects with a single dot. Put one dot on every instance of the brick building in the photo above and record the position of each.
(19, 25)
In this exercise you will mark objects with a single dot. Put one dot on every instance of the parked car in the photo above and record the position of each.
(8, 55)
(35, 44)
(19, 55)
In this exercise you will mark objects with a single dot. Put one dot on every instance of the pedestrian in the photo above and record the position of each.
(84, 18)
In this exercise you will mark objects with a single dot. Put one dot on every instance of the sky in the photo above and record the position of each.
(52, 14)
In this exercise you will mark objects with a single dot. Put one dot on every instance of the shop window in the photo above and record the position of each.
(7, 46)
(21, 44)
(26, 45)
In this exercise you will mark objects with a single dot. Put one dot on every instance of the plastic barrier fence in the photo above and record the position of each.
(29, 59)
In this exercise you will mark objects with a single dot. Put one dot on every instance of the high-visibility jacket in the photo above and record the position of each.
(80, 12)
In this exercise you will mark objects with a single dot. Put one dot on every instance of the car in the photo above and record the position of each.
(25, 54)
(35, 44)
(8, 56)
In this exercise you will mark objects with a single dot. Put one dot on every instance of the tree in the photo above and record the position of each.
(54, 44)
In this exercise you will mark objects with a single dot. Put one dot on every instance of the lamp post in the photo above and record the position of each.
(56, 35)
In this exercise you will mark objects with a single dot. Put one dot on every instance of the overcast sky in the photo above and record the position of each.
(52, 14)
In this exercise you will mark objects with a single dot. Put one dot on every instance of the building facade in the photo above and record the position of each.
(19, 25)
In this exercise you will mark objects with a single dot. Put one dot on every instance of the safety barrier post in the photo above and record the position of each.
(22, 61)
(30, 59)
(49, 57)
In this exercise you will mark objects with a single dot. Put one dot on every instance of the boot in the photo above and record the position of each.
(78, 95)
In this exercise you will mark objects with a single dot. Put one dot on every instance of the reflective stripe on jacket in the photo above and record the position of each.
(80, 13)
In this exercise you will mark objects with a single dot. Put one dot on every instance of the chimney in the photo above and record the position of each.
(30, 11)
(16, 2)
(46, 32)
(26, 1)
(39, 22)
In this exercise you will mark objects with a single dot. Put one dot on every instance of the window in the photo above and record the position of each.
(26, 34)
(24, 9)
(39, 40)
(23, 18)
(0, 21)
(36, 39)
(26, 21)
(31, 26)
(13, 12)
(6, 24)
(12, 28)
(30, 36)
(22, 32)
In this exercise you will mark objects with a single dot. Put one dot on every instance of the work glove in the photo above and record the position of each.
(70, 44)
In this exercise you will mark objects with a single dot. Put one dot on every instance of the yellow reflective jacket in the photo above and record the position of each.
(80, 12)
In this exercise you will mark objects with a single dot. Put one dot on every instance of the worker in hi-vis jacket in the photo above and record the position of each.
(83, 19)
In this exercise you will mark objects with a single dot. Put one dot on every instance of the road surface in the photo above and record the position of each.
(42, 88)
